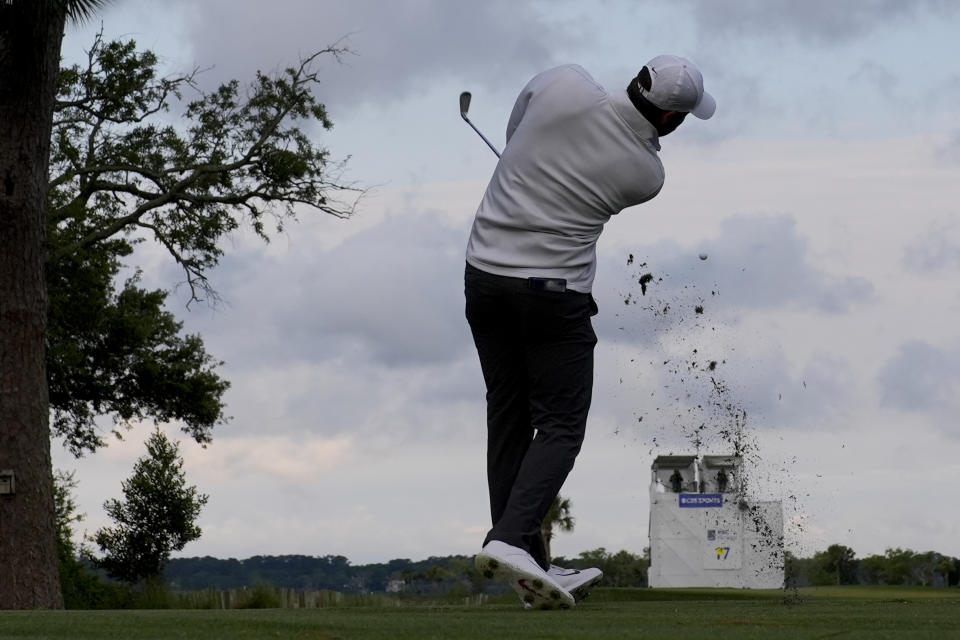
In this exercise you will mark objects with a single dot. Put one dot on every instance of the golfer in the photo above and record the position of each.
(575, 155)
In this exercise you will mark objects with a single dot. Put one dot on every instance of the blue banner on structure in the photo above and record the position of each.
(702, 500)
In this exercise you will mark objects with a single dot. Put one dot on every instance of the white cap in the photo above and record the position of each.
(677, 85)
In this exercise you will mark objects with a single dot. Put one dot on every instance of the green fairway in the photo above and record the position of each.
(676, 614)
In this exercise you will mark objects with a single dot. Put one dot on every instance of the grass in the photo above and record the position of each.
(674, 614)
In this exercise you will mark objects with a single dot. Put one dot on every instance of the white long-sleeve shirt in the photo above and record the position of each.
(575, 156)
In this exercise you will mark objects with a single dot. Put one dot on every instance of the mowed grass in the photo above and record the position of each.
(675, 614)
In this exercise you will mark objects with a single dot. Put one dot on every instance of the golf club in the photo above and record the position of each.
(464, 107)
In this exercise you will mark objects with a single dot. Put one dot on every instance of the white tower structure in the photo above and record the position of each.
(704, 530)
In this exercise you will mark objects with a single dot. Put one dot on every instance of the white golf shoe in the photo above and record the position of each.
(536, 588)
(577, 581)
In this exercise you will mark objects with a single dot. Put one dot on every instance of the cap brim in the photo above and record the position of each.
(706, 108)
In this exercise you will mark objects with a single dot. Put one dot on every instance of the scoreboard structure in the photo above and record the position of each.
(704, 530)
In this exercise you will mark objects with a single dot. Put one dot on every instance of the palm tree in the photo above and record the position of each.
(31, 33)
(558, 518)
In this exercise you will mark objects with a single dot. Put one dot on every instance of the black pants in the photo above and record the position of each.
(536, 352)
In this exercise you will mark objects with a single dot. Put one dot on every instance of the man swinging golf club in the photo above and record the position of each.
(575, 155)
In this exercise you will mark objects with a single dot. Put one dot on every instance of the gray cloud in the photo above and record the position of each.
(945, 95)
(933, 251)
(949, 152)
(755, 262)
(877, 76)
(737, 93)
(745, 400)
(817, 21)
(391, 294)
(921, 377)
(824, 387)
(713, 373)
(402, 47)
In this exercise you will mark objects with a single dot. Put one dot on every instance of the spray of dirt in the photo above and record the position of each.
(696, 409)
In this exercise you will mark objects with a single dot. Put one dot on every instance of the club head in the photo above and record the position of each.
(464, 107)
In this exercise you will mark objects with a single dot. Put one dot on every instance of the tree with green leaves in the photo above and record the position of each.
(158, 515)
(946, 567)
(121, 170)
(82, 587)
(926, 568)
(66, 514)
(558, 518)
(836, 565)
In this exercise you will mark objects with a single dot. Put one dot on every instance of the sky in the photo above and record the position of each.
(824, 195)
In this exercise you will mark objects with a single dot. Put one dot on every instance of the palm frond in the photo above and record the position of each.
(83, 10)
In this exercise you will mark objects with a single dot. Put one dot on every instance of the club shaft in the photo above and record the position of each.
(489, 144)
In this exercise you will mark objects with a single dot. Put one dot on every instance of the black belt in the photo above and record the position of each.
(556, 285)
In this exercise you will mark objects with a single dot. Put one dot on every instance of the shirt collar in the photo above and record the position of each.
(634, 119)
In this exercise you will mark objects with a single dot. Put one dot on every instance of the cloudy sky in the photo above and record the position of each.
(824, 193)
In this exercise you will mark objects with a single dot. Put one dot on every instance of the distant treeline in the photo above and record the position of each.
(434, 575)
(838, 565)
(311, 572)
(456, 574)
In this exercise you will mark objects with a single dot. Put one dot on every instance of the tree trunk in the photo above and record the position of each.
(31, 32)
(546, 530)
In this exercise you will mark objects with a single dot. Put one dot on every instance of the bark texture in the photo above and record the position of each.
(31, 32)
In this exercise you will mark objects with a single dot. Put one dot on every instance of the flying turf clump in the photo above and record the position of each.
(644, 279)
